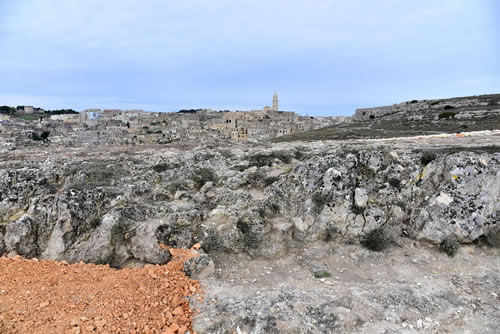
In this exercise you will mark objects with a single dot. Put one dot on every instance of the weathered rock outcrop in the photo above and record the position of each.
(279, 227)
(259, 200)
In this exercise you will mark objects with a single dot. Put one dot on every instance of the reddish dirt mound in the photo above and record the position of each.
(55, 297)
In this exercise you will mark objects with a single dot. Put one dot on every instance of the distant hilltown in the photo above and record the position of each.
(29, 126)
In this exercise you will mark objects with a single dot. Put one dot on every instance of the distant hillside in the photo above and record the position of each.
(413, 118)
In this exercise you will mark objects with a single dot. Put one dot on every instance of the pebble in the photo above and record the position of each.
(44, 304)
(178, 311)
(100, 323)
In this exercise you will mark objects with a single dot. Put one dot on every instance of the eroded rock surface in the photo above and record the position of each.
(259, 200)
(107, 205)
(340, 288)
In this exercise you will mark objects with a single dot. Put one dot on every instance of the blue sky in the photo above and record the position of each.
(324, 57)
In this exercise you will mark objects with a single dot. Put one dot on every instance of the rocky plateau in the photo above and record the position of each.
(350, 236)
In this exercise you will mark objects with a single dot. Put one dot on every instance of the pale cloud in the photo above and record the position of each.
(178, 53)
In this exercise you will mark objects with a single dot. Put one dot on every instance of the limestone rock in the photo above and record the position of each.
(258, 200)
(360, 197)
(20, 237)
(199, 267)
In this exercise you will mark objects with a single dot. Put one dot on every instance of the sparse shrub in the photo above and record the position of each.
(35, 136)
(377, 240)
(323, 316)
(450, 245)
(447, 114)
(204, 175)
(121, 231)
(258, 179)
(371, 117)
(93, 174)
(490, 238)
(160, 167)
(396, 183)
(413, 101)
(261, 159)
(250, 237)
(427, 157)
(45, 135)
(331, 231)
(269, 209)
(226, 153)
(95, 220)
(211, 241)
(299, 154)
(270, 180)
(177, 185)
(448, 107)
(321, 274)
(275, 208)
(174, 236)
(319, 200)
(255, 178)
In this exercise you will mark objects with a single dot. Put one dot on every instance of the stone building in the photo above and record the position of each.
(239, 134)
(115, 126)
(275, 102)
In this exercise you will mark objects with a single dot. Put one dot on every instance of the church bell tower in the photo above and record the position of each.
(275, 102)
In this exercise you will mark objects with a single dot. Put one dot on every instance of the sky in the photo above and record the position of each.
(322, 57)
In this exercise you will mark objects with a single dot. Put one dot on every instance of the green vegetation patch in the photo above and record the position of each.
(450, 246)
(377, 240)
(29, 117)
(262, 159)
(321, 274)
(93, 174)
(447, 115)
(204, 175)
(161, 167)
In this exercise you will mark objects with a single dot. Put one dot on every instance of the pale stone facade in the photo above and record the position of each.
(115, 126)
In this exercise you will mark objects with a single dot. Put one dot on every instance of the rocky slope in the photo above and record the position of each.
(249, 203)
(413, 118)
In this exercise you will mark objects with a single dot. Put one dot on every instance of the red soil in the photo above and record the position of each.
(56, 297)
